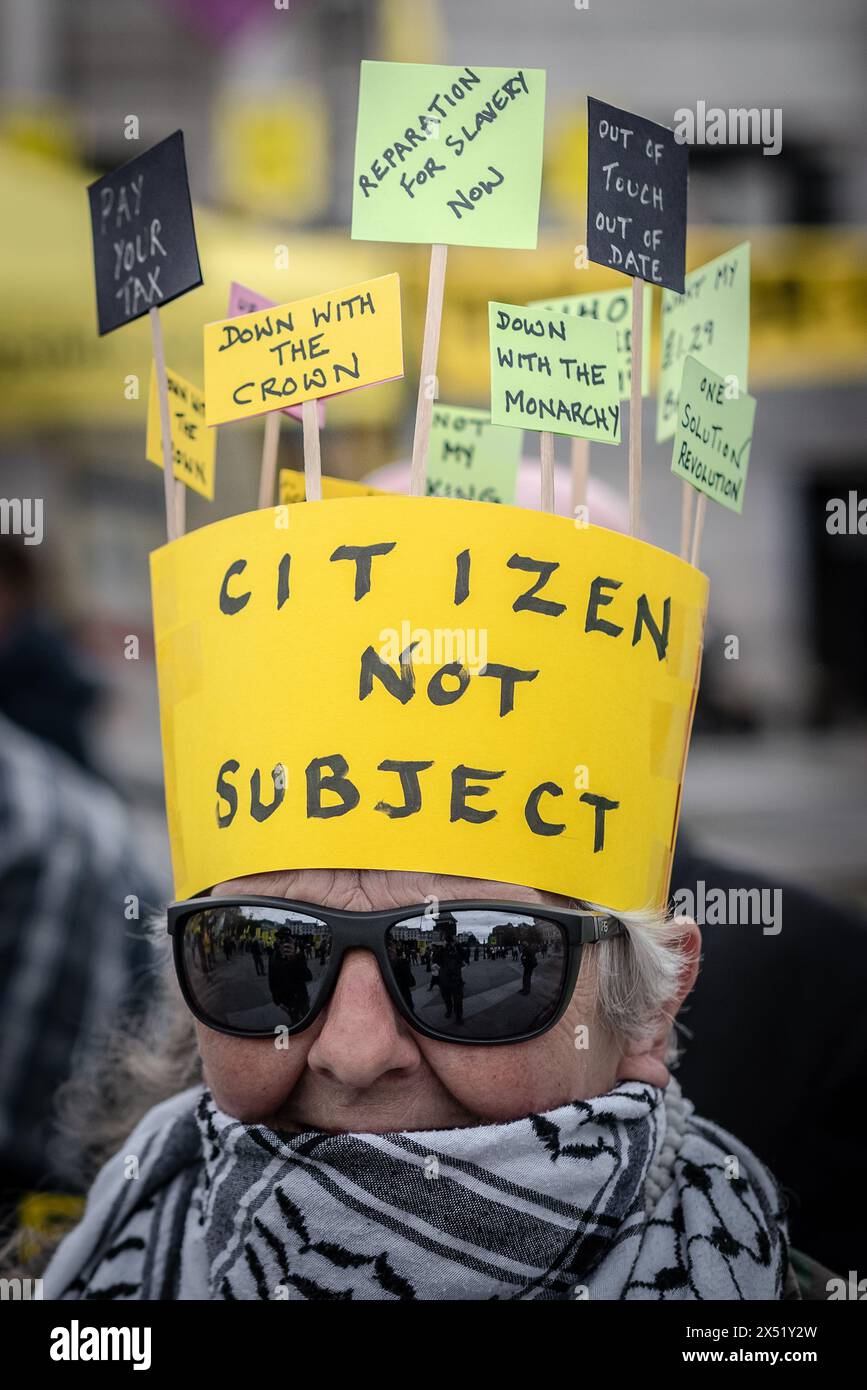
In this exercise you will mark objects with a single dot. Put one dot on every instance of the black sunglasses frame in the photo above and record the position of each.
(351, 930)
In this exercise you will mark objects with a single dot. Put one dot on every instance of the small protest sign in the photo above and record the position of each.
(471, 457)
(332, 342)
(449, 155)
(615, 307)
(292, 488)
(713, 437)
(709, 321)
(636, 196)
(554, 372)
(144, 241)
(194, 446)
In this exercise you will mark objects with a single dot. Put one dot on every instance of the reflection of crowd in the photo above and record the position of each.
(286, 957)
(449, 962)
(281, 955)
(289, 975)
(445, 963)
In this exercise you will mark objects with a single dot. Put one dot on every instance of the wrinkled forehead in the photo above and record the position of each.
(378, 888)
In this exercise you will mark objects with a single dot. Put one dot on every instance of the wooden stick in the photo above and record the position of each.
(312, 460)
(181, 506)
(427, 378)
(546, 451)
(580, 472)
(268, 470)
(172, 528)
(686, 505)
(635, 408)
(699, 527)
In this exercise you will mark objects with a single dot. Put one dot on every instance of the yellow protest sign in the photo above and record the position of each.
(291, 487)
(426, 684)
(194, 446)
(303, 351)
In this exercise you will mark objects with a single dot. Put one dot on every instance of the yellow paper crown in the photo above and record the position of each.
(426, 684)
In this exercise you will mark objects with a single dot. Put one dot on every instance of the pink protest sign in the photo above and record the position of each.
(244, 301)
(221, 20)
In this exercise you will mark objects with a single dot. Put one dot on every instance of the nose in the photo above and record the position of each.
(363, 1037)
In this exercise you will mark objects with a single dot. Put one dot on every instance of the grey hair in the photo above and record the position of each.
(636, 977)
(144, 1062)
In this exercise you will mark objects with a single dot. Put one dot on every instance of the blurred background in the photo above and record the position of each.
(266, 93)
(266, 97)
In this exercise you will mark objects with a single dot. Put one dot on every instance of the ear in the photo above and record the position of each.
(647, 1061)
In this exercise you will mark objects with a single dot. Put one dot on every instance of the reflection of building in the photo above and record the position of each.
(526, 933)
(417, 935)
(298, 927)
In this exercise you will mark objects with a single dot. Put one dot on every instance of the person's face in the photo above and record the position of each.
(360, 1067)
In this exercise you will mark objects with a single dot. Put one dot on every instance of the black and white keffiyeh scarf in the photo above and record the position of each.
(626, 1196)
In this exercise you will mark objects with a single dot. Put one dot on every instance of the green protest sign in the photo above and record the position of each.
(709, 321)
(615, 307)
(470, 457)
(713, 436)
(448, 154)
(554, 372)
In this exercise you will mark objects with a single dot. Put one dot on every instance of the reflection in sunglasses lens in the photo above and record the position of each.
(477, 973)
(255, 968)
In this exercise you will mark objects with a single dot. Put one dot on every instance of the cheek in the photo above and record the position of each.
(493, 1083)
(250, 1078)
(506, 1083)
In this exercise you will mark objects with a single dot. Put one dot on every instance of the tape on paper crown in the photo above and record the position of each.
(426, 684)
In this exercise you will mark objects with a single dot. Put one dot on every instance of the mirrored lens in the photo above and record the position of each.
(255, 968)
(479, 973)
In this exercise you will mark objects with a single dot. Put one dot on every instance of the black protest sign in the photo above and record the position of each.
(144, 241)
(636, 196)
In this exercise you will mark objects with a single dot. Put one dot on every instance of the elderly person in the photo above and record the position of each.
(351, 1133)
(377, 1148)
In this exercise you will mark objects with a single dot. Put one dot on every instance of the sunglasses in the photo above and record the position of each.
(476, 972)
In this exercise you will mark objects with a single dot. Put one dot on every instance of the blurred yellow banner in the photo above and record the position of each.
(50, 349)
(808, 302)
